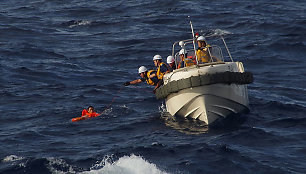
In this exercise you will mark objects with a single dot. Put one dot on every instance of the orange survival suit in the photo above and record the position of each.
(85, 112)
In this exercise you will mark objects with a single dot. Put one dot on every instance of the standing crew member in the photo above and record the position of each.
(162, 68)
(171, 63)
(203, 52)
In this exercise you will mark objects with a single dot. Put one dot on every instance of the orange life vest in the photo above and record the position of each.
(85, 112)
(203, 55)
(159, 74)
(149, 80)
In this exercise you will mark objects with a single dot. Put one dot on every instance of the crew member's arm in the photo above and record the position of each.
(152, 75)
(132, 82)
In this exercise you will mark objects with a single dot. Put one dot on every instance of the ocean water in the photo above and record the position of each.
(59, 57)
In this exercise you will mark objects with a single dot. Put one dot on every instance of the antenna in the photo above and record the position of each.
(193, 41)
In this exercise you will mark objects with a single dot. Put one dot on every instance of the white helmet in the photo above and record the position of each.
(181, 43)
(201, 38)
(142, 69)
(157, 57)
(170, 59)
(182, 51)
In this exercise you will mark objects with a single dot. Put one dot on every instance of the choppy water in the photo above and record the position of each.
(58, 57)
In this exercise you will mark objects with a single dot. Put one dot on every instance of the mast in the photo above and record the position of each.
(193, 41)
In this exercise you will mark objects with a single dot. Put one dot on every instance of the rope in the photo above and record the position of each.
(110, 104)
(117, 94)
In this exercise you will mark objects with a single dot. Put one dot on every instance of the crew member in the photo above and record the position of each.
(90, 112)
(162, 68)
(171, 63)
(185, 61)
(203, 53)
(149, 76)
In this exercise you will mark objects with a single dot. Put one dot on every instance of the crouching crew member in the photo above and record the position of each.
(146, 76)
(162, 68)
(171, 63)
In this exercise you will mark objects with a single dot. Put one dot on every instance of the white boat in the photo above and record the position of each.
(209, 91)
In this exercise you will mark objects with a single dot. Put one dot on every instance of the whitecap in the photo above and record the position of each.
(12, 158)
(54, 163)
(80, 23)
(126, 165)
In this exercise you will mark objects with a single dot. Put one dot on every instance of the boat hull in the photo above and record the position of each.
(207, 102)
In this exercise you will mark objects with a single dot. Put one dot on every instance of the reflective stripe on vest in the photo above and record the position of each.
(148, 79)
(159, 74)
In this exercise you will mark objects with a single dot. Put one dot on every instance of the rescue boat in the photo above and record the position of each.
(206, 91)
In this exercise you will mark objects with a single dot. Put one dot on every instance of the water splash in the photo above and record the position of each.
(215, 32)
(12, 158)
(125, 165)
(80, 23)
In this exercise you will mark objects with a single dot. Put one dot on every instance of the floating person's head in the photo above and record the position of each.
(91, 109)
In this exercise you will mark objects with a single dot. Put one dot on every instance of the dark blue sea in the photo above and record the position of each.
(57, 57)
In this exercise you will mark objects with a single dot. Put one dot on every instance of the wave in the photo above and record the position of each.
(73, 24)
(131, 164)
(125, 165)
(12, 158)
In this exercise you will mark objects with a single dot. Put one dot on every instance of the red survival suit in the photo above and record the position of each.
(85, 112)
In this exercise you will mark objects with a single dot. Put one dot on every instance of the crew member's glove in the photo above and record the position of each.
(126, 83)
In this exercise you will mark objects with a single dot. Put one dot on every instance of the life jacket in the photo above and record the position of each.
(149, 80)
(172, 66)
(189, 61)
(203, 55)
(160, 74)
(85, 112)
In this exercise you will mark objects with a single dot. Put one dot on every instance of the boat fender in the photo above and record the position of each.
(206, 79)
(174, 86)
(184, 83)
(195, 81)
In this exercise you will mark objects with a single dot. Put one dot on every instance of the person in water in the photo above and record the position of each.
(171, 63)
(89, 112)
(146, 76)
(203, 53)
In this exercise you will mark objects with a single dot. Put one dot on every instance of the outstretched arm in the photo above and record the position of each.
(132, 82)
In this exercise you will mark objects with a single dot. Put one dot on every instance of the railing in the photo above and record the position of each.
(214, 51)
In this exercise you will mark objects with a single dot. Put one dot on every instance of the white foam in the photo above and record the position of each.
(218, 32)
(59, 162)
(126, 165)
(12, 158)
(79, 23)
